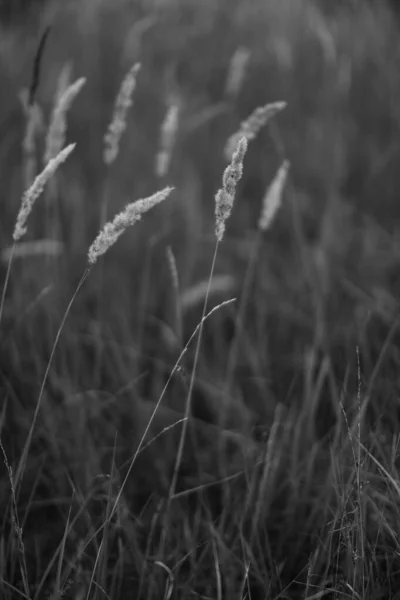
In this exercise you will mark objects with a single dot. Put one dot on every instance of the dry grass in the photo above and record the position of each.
(211, 411)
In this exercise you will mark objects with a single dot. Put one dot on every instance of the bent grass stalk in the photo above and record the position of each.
(30, 196)
(22, 463)
(55, 141)
(250, 127)
(103, 242)
(160, 399)
(141, 445)
(28, 200)
(223, 205)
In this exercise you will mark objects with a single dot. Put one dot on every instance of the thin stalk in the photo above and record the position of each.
(3, 295)
(240, 317)
(191, 386)
(22, 463)
(182, 439)
(147, 429)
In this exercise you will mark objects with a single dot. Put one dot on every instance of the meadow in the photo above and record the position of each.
(199, 300)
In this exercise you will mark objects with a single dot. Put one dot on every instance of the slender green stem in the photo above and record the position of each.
(22, 462)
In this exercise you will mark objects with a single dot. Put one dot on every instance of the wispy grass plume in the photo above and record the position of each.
(225, 196)
(56, 132)
(118, 122)
(237, 71)
(177, 314)
(29, 197)
(106, 238)
(250, 127)
(273, 197)
(169, 129)
(129, 216)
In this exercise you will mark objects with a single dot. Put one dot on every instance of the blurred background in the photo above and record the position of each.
(326, 275)
(326, 272)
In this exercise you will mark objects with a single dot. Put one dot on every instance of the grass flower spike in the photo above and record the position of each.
(273, 197)
(253, 124)
(226, 195)
(118, 122)
(58, 125)
(237, 71)
(169, 129)
(36, 189)
(114, 229)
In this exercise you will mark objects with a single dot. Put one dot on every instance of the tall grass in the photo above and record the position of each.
(226, 426)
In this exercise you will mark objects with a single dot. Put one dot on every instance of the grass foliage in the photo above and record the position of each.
(200, 406)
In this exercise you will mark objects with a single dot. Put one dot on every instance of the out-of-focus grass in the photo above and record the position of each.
(310, 516)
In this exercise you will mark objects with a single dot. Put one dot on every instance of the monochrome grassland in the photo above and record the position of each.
(199, 305)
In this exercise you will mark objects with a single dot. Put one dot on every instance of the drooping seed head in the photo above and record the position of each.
(118, 122)
(250, 127)
(55, 139)
(29, 197)
(129, 216)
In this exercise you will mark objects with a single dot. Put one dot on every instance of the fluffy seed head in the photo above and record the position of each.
(118, 122)
(273, 197)
(226, 195)
(58, 124)
(129, 216)
(169, 128)
(64, 80)
(237, 71)
(29, 197)
(253, 124)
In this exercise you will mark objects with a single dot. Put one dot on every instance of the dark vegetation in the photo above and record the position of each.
(313, 509)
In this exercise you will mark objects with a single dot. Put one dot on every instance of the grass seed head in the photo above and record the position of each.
(253, 124)
(118, 122)
(237, 71)
(56, 133)
(29, 197)
(129, 216)
(273, 197)
(169, 129)
(225, 196)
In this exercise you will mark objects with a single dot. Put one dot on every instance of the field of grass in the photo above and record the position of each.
(187, 412)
